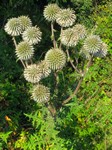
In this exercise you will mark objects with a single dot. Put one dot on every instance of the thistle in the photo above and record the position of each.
(25, 22)
(69, 38)
(33, 73)
(32, 35)
(13, 27)
(66, 17)
(24, 50)
(50, 12)
(92, 44)
(40, 93)
(56, 58)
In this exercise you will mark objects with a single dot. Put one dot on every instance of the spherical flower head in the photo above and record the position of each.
(92, 44)
(103, 51)
(80, 30)
(66, 17)
(24, 50)
(25, 22)
(33, 73)
(68, 37)
(32, 35)
(45, 69)
(41, 93)
(56, 58)
(50, 12)
(13, 27)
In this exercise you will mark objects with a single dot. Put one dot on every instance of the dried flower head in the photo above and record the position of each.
(80, 31)
(32, 35)
(25, 22)
(92, 44)
(33, 73)
(50, 12)
(103, 51)
(24, 50)
(68, 37)
(41, 93)
(56, 58)
(13, 27)
(44, 67)
(66, 17)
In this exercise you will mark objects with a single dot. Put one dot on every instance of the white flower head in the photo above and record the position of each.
(25, 22)
(13, 27)
(32, 35)
(92, 44)
(41, 93)
(33, 73)
(69, 38)
(24, 50)
(66, 17)
(50, 12)
(56, 58)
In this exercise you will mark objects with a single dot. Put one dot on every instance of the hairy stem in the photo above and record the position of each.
(52, 35)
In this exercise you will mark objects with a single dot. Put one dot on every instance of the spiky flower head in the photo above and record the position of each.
(41, 93)
(25, 22)
(24, 50)
(13, 27)
(66, 17)
(84, 53)
(50, 12)
(80, 31)
(56, 58)
(32, 35)
(103, 51)
(44, 67)
(92, 44)
(33, 73)
(68, 37)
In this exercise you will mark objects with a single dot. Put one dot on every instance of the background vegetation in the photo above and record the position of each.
(83, 124)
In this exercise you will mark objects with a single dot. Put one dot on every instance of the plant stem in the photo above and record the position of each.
(79, 83)
(52, 35)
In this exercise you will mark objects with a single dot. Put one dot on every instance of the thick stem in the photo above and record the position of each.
(52, 35)
(79, 83)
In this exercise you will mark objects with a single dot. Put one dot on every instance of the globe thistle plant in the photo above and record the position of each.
(25, 22)
(33, 73)
(40, 93)
(56, 58)
(50, 12)
(92, 44)
(32, 35)
(13, 27)
(24, 50)
(68, 37)
(65, 17)
(80, 31)
(44, 67)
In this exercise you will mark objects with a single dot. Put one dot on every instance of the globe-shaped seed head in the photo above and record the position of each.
(103, 51)
(68, 37)
(66, 17)
(80, 31)
(50, 12)
(24, 50)
(13, 27)
(41, 93)
(32, 35)
(56, 58)
(92, 44)
(45, 69)
(25, 22)
(33, 73)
